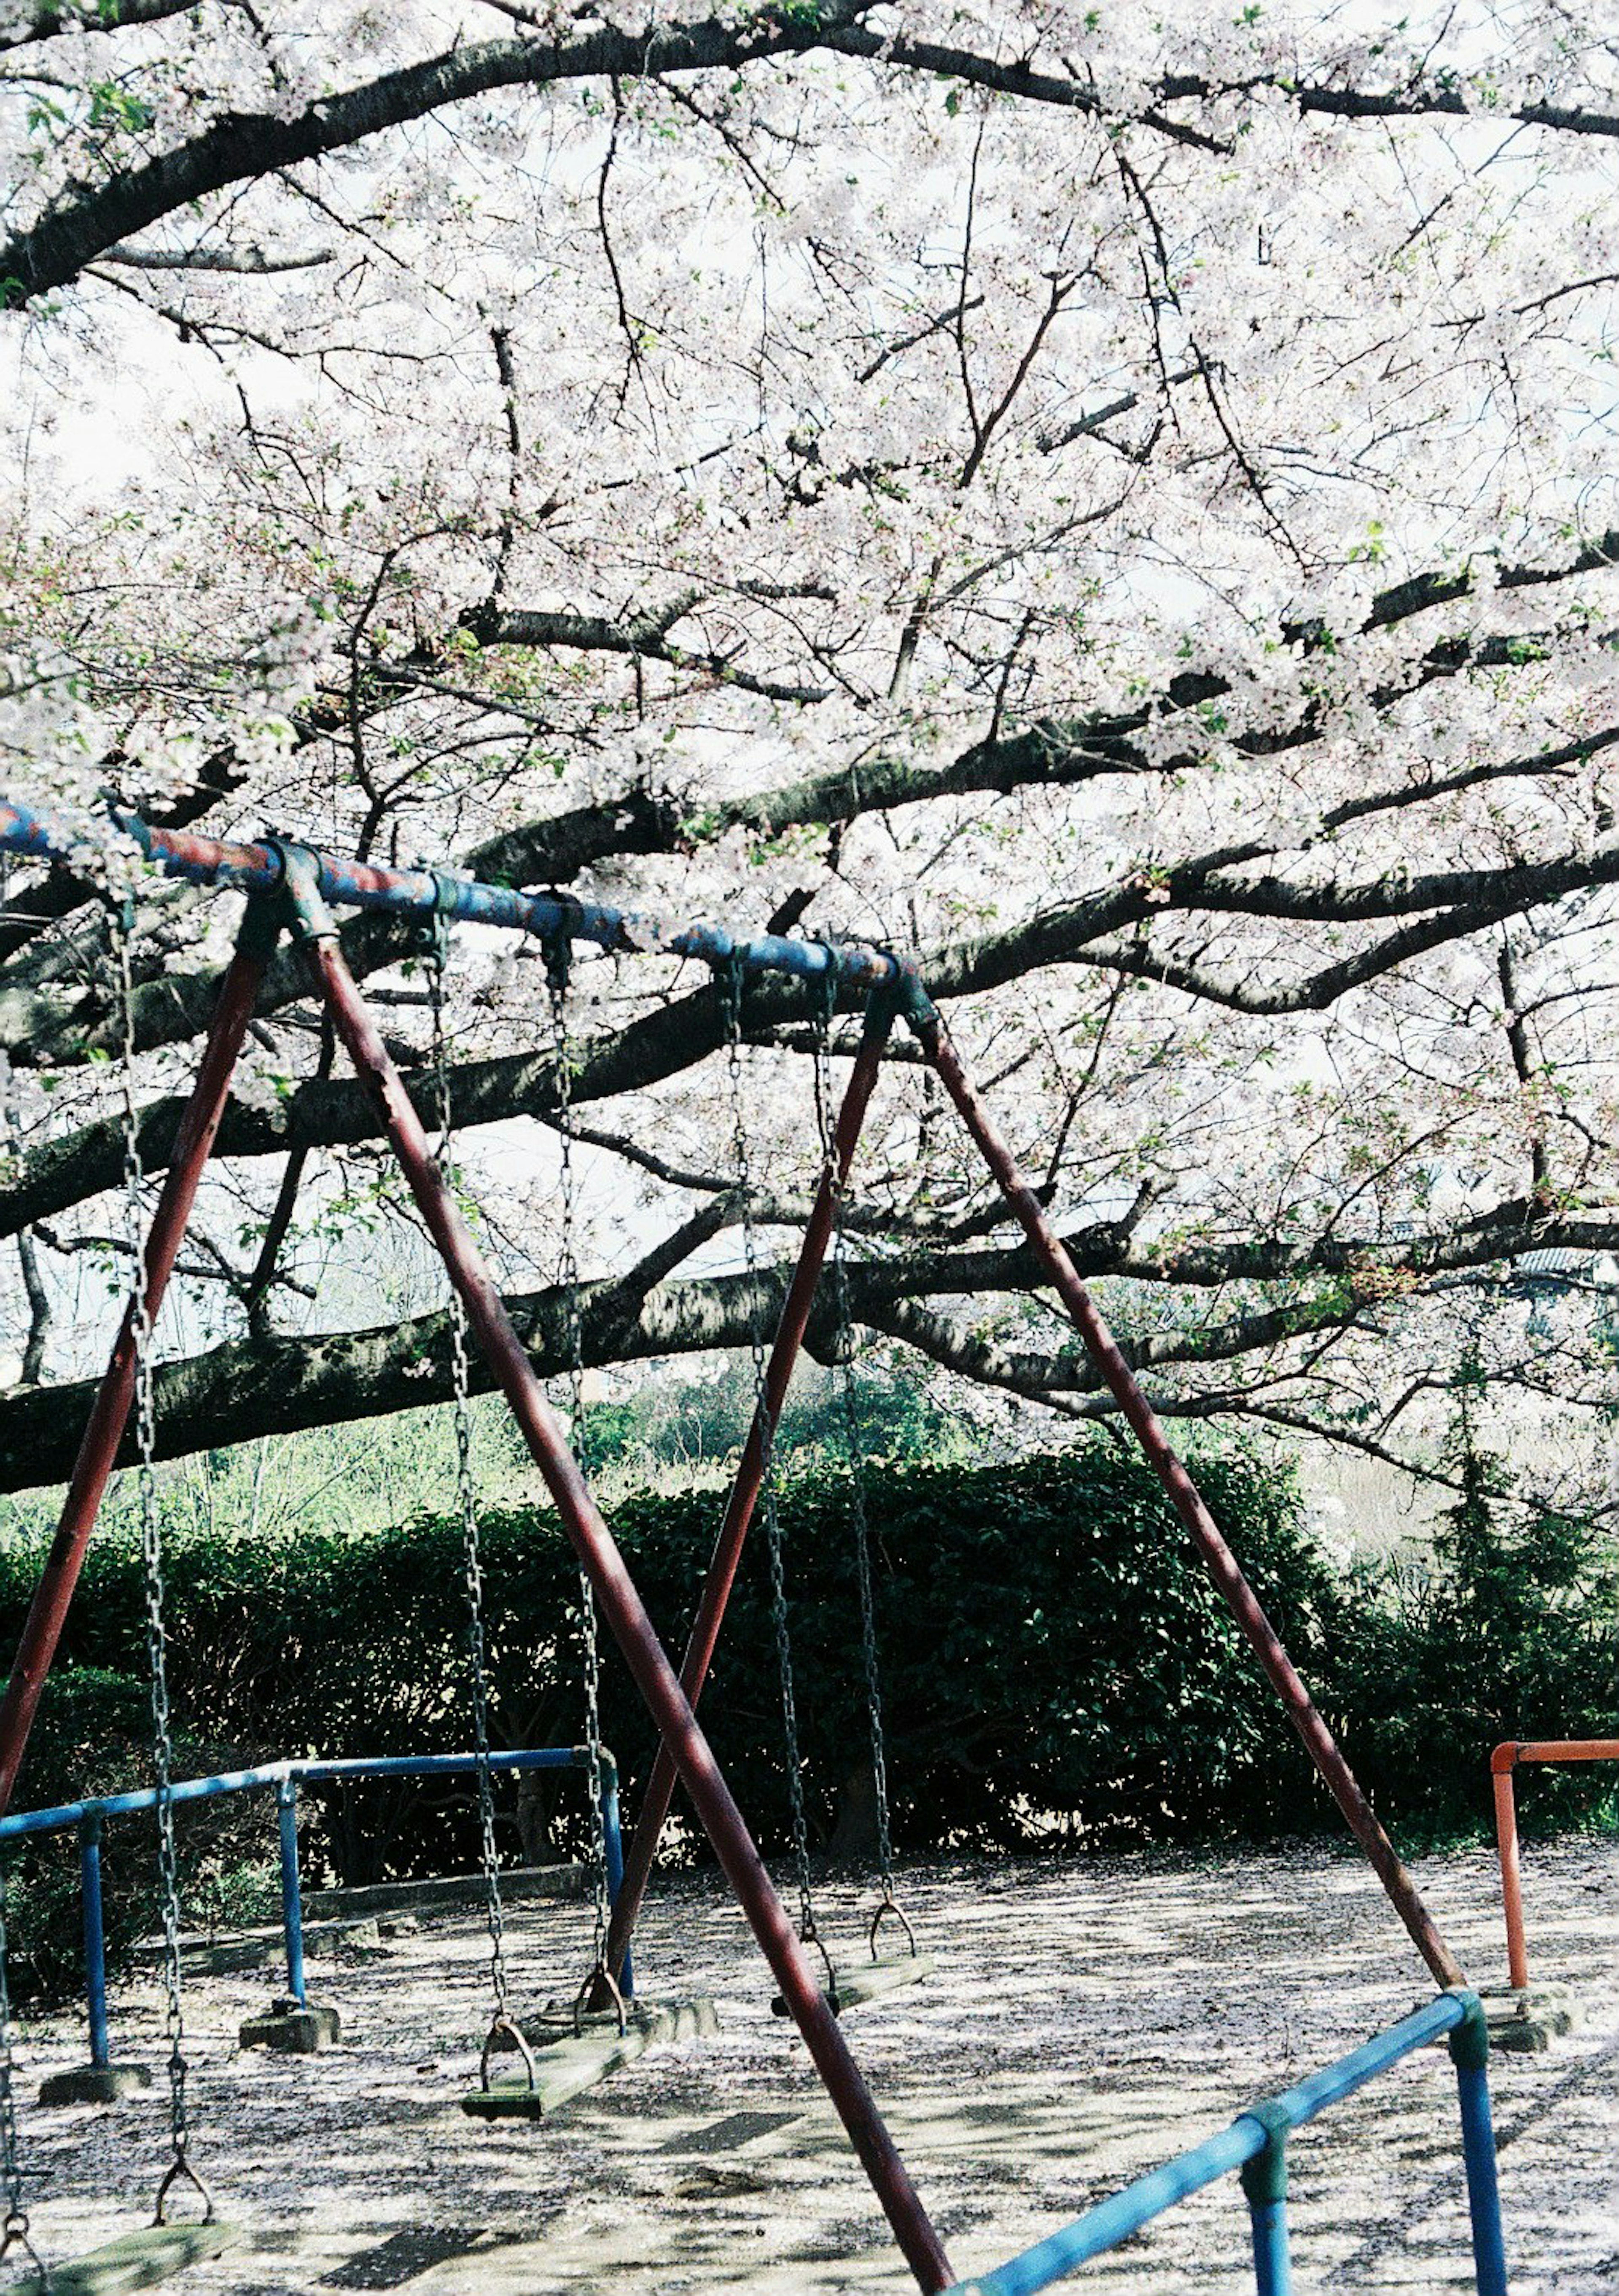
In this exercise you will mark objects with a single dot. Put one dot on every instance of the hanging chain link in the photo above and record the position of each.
(122, 931)
(557, 959)
(742, 1168)
(14, 2228)
(853, 1447)
(466, 1491)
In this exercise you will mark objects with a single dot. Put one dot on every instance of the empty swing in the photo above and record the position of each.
(136, 2260)
(880, 1973)
(847, 1984)
(605, 2029)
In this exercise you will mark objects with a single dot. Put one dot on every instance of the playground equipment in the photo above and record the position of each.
(1255, 2145)
(605, 2031)
(289, 890)
(1503, 1762)
(846, 1985)
(138, 2259)
(102, 2080)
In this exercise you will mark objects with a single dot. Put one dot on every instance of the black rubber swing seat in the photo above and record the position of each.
(567, 2063)
(136, 2260)
(866, 1980)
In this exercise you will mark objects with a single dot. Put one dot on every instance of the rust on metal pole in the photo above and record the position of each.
(621, 1604)
(1221, 1563)
(1502, 1762)
(752, 1472)
(1567, 1750)
(105, 1431)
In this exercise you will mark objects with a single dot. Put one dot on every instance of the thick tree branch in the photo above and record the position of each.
(645, 639)
(241, 147)
(47, 21)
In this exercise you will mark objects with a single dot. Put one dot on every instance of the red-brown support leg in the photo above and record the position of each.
(750, 1476)
(48, 1611)
(1221, 1563)
(621, 1604)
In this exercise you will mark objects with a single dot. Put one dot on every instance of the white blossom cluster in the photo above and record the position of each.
(1209, 413)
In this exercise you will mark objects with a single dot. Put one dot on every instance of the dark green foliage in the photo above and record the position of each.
(1053, 1661)
(1512, 1632)
(96, 1725)
(1056, 1665)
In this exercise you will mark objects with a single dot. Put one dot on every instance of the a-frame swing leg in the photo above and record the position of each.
(1222, 1564)
(615, 1590)
(751, 1468)
(99, 1447)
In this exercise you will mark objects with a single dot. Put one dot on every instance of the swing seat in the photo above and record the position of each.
(856, 1981)
(136, 2260)
(566, 2063)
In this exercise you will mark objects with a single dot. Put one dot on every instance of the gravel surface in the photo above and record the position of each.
(1087, 2019)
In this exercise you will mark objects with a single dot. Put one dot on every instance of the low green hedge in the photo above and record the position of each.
(1057, 1666)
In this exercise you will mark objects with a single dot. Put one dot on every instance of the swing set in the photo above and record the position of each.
(291, 891)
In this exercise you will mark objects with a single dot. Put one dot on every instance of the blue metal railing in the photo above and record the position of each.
(1255, 2145)
(89, 1818)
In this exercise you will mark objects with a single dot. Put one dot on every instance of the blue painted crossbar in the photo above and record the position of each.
(1255, 2143)
(45, 835)
(89, 1817)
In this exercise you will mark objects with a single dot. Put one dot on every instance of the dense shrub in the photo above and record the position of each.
(1056, 1665)
(1509, 1631)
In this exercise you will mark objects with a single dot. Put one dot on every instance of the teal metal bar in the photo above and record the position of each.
(1470, 2053)
(292, 1898)
(612, 1838)
(1272, 2260)
(96, 1938)
(89, 1817)
(271, 1774)
(1255, 2143)
(1264, 2183)
(1123, 2213)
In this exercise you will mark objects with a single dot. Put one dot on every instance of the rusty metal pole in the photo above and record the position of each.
(616, 1592)
(98, 1448)
(1503, 1762)
(1222, 1565)
(752, 1472)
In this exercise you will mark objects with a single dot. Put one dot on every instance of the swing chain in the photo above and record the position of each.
(121, 936)
(558, 955)
(854, 1453)
(436, 956)
(14, 2228)
(808, 1930)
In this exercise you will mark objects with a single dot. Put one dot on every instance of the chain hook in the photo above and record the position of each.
(557, 956)
(890, 1907)
(15, 2233)
(504, 2025)
(180, 2172)
(601, 1975)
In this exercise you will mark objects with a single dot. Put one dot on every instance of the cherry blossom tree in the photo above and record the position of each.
(1122, 505)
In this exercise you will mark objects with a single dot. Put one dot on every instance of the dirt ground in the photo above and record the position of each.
(1087, 2019)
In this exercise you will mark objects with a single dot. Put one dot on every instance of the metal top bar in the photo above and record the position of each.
(1125, 2211)
(275, 1774)
(1341, 2078)
(45, 835)
(1513, 1751)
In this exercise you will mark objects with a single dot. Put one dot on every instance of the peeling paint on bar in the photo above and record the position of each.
(256, 870)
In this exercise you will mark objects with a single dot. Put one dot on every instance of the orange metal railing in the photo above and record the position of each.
(1503, 1762)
